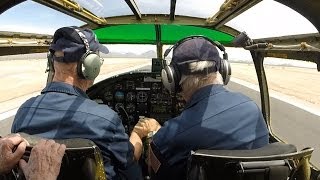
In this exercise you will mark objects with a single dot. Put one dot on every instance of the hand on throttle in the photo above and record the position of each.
(146, 125)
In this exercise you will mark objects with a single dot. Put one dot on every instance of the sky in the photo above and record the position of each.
(266, 19)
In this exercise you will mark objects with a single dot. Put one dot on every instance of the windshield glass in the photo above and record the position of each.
(269, 19)
(32, 17)
(295, 102)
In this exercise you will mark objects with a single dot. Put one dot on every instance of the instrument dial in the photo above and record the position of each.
(119, 96)
(131, 96)
(155, 86)
(142, 96)
(108, 96)
(130, 85)
(130, 108)
(118, 86)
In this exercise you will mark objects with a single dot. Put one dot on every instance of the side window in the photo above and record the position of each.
(44, 20)
(293, 85)
(295, 102)
(244, 77)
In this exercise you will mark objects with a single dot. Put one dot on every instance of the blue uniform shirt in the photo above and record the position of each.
(214, 118)
(63, 111)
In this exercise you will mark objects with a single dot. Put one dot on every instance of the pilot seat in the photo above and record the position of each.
(276, 161)
(82, 159)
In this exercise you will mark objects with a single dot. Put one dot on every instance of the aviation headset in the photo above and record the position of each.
(89, 65)
(171, 75)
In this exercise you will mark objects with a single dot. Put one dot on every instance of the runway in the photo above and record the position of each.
(292, 124)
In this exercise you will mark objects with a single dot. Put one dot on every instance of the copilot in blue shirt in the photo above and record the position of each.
(63, 111)
(214, 118)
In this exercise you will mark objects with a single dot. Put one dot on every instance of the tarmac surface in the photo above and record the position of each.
(292, 121)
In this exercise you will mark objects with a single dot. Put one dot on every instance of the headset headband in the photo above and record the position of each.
(216, 43)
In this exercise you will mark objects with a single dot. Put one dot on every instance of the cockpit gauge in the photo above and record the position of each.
(119, 96)
(118, 86)
(155, 86)
(130, 85)
(142, 96)
(131, 96)
(130, 108)
(108, 96)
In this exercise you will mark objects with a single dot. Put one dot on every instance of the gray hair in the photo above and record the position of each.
(190, 83)
(200, 66)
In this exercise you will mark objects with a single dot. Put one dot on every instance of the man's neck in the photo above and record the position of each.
(73, 82)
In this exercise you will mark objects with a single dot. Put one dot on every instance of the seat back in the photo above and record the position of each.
(276, 161)
(82, 159)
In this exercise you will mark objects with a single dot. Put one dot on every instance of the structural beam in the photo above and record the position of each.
(229, 10)
(12, 43)
(300, 47)
(134, 8)
(23, 50)
(7, 4)
(172, 9)
(73, 9)
(17, 38)
(312, 39)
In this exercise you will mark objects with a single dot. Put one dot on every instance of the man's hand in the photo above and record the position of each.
(12, 148)
(146, 125)
(44, 162)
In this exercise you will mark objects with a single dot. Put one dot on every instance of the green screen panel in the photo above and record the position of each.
(146, 34)
(127, 34)
(170, 34)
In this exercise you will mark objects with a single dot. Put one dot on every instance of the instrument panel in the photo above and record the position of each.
(137, 95)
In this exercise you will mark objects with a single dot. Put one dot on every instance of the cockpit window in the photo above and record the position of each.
(270, 19)
(32, 17)
(109, 8)
(295, 102)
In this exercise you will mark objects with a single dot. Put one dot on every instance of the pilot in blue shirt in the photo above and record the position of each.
(213, 117)
(63, 110)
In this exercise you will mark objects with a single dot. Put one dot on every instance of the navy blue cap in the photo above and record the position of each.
(194, 49)
(68, 40)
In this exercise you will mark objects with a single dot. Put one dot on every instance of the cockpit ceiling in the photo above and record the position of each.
(152, 34)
